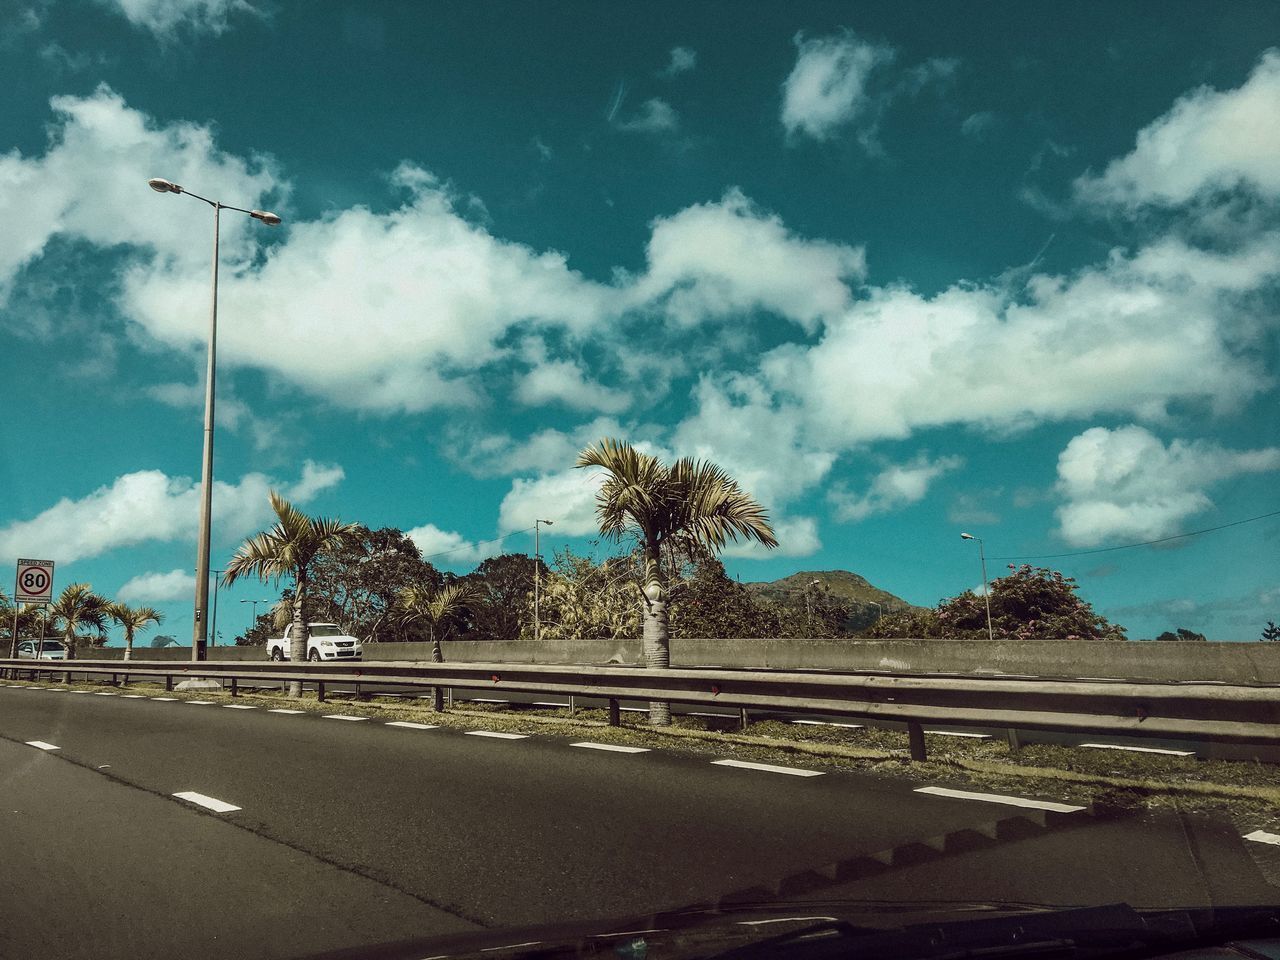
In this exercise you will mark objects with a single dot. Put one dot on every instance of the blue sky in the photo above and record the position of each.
(905, 270)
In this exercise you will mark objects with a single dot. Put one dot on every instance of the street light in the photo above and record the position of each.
(537, 573)
(254, 608)
(986, 591)
(808, 614)
(200, 631)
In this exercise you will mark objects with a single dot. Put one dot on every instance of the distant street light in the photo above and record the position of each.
(986, 590)
(200, 630)
(255, 610)
(879, 609)
(537, 574)
(808, 613)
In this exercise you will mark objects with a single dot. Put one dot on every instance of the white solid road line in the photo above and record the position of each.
(495, 735)
(41, 745)
(767, 768)
(240, 706)
(342, 716)
(283, 710)
(166, 699)
(1261, 836)
(969, 736)
(612, 747)
(1116, 746)
(413, 726)
(1000, 798)
(209, 803)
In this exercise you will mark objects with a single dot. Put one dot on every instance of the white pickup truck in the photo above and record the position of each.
(326, 642)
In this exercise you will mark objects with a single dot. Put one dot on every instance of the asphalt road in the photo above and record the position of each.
(357, 832)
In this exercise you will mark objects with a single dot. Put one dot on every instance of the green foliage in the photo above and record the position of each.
(1182, 634)
(709, 604)
(503, 605)
(1271, 632)
(76, 609)
(919, 624)
(582, 600)
(443, 611)
(1030, 603)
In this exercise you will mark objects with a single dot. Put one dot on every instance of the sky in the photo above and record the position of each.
(906, 270)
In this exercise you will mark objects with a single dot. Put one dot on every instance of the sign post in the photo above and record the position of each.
(33, 583)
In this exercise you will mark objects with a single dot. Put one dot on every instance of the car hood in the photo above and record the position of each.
(865, 929)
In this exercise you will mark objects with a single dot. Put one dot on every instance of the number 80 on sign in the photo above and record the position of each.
(34, 582)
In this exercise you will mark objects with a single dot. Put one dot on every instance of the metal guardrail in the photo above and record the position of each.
(1179, 710)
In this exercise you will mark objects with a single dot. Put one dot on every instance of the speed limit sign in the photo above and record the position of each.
(35, 581)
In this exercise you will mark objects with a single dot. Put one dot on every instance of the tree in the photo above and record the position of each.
(77, 607)
(692, 501)
(582, 600)
(288, 549)
(357, 581)
(442, 611)
(709, 604)
(1271, 632)
(1030, 603)
(906, 624)
(504, 594)
(1183, 634)
(132, 619)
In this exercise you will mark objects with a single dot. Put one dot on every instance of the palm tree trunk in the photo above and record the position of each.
(298, 632)
(657, 649)
(128, 644)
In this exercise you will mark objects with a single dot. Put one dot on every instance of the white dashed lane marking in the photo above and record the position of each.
(1000, 798)
(612, 747)
(412, 726)
(41, 745)
(495, 735)
(239, 706)
(342, 716)
(767, 768)
(201, 703)
(105, 693)
(283, 710)
(132, 696)
(1261, 836)
(209, 803)
(165, 699)
(1116, 746)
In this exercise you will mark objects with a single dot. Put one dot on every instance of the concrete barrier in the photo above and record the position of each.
(1129, 660)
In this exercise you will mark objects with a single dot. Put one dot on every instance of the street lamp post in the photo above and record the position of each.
(986, 590)
(213, 626)
(537, 573)
(808, 612)
(879, 609)
(200, 630)
(254, 609)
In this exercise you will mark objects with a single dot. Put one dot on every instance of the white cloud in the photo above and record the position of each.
(1125, 483)
(898, 485)
(682, 60)
(150, 506)
(796, 536)
(729, 257)
(567, 498)
(977, 125)
(544, 451)
(1129, 335)
(1209, 140)
(152, 588)
(91, 185)
(563, 381)
(446, 548)
(654, 116)
(164, 18)
(827, 87)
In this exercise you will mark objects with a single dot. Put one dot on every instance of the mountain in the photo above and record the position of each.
(789, 592)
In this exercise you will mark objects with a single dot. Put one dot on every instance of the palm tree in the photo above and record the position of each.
(132, 619)
(437, 608)
(76, 607)
(690, 502)
(287, 550)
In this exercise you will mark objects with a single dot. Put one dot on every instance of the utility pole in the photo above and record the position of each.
(986, 590)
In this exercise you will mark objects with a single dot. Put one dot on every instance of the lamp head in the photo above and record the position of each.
(967, 536)
(160, 185)
(266, 216)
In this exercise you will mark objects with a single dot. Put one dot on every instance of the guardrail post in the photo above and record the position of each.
(437, 699)
(320, 691)
(449, 698)
(235, 690)
(615, 718)
(742, 717)
(168, 682)
(1015, 740)
(915, 734)
(573, 705)
(360, 694)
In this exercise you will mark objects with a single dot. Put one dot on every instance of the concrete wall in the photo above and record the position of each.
(1131, 660)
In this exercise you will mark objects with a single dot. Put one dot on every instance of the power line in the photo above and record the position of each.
(1144, 543)
(478, 543)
